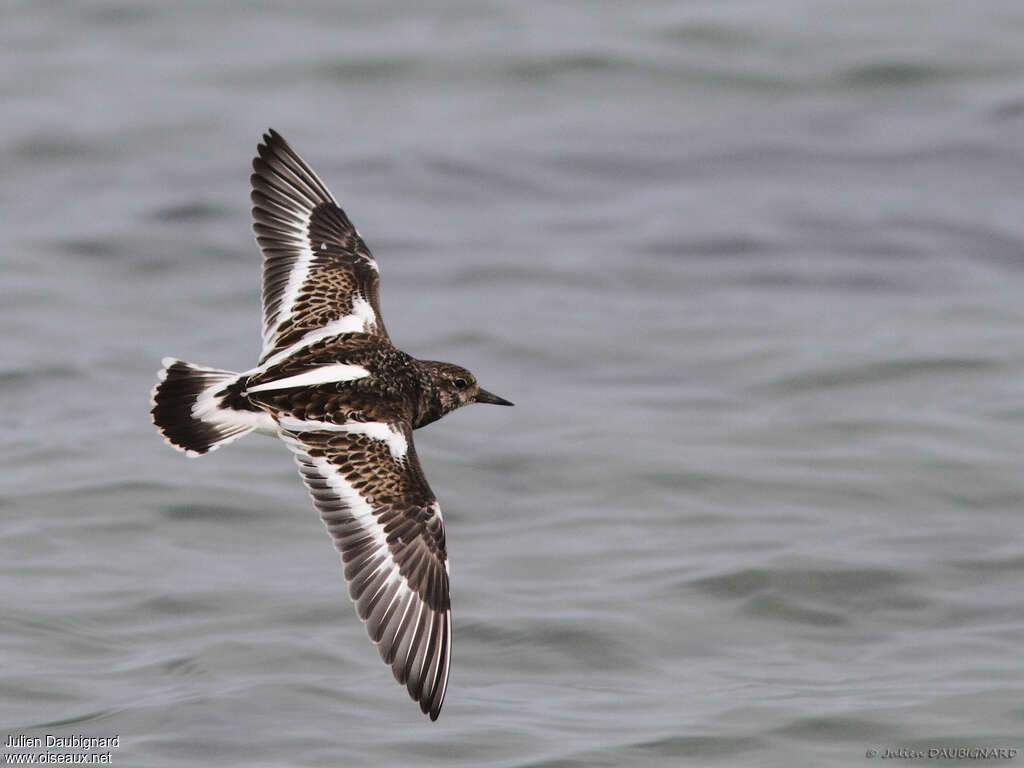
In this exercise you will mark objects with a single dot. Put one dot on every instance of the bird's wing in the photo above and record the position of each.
(319, 278)
(367, 484)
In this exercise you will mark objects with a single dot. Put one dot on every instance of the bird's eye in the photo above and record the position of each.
(461, 383)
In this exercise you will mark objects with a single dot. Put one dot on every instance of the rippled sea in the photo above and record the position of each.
(752, 272)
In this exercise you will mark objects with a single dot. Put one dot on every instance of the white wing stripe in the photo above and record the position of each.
(362, 320)
(384, 568)
(326, 374)
(298, 275)
(377, 430)
(357, 506)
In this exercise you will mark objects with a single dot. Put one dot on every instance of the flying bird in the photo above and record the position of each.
(330, 384)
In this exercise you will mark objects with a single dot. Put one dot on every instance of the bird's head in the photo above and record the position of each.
(455, 387)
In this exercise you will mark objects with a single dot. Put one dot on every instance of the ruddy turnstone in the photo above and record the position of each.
(345, 401)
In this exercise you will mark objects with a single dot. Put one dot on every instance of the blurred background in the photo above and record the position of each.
(752, 272)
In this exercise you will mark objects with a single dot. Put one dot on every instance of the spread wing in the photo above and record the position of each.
(367, 484)
(319, 278)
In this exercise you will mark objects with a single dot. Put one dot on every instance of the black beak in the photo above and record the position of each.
(483, 396)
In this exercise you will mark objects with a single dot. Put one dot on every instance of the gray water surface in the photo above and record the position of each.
(752, 272)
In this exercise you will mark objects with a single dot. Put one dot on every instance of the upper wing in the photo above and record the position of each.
(319, 278)
(367, 484)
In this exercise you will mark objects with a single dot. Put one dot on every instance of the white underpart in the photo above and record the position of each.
(377, 430)
(361, 320)
(326, 374)
(300, 271)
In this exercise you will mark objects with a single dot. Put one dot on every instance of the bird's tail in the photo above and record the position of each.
(198, 409)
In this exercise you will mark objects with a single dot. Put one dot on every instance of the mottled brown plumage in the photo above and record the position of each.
(332, 385)
(398, 387)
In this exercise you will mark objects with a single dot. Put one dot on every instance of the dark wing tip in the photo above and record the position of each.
(408, 618)
(280, 168)
(419, 662)
(272, 137)
(428, 682)
(272, 144)
(272, 150)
